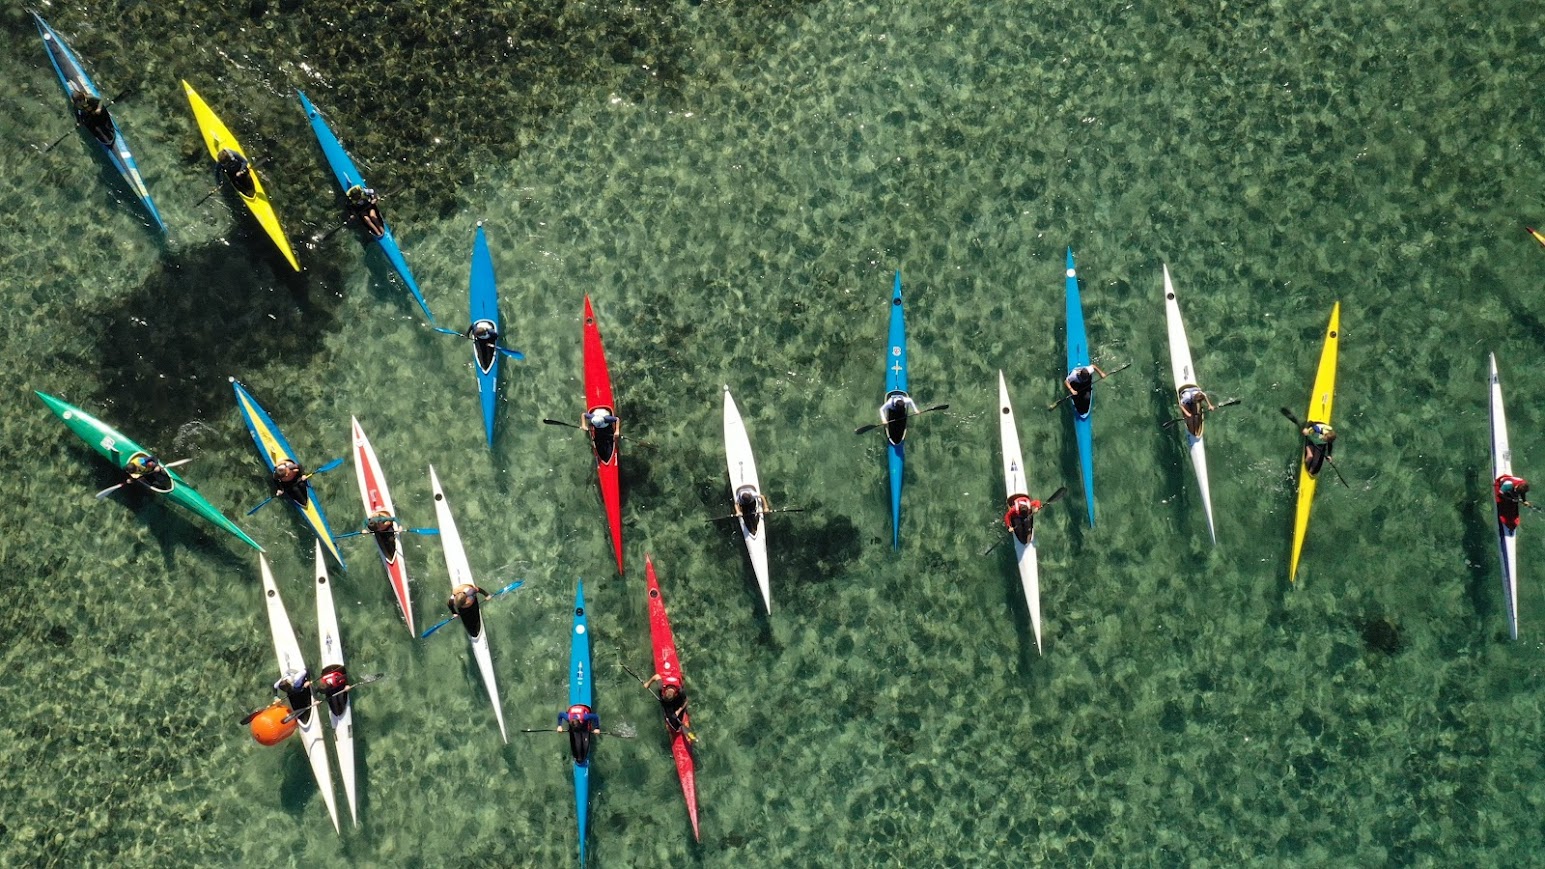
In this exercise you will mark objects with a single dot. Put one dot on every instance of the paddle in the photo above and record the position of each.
(134, 478)
(679, 724)
(77, 120)
(443, 622)
(874, 425)
(631, 440)
(329, 234)
(513, 354)
(764, 513)
(1110, 373)
(1294, 420)
(1054, 498)
(1230, 403)
(322, 470)
(365, 680)
(561, 730)
(405, 531)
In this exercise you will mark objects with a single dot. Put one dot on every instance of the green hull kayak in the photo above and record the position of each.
(119, 450)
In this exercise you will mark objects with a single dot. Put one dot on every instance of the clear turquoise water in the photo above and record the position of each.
(734, 184)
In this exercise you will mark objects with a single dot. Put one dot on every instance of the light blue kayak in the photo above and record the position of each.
(896, 384)
(348, 176)
(1078, 357)
(484, 300)
(71, 74)
(581, 693)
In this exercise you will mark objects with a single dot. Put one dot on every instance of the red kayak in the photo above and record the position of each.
(598, 396)
(668, 665)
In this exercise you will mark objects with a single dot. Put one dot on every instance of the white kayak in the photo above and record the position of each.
(287, 649)
(1016, 483)
(461, 574)
(332, 655)
(1507, 538)
(737, 451)
(377, 498)
(1185, 376)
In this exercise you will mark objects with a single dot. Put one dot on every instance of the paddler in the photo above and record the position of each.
(464, 605)
(237, 170)
(1191, 400)
(381, 523)
(1020, 518)
(894, 413)
(290, 480)
(579, 722)
(149, 471)
(92, 114)
(364, 203)
(335, 684)
(295, 687)
(673, 702)
(1319, 441)
(1080, 381)
(749, 506)
(485, 339)
(603, 426)
(1511, 491)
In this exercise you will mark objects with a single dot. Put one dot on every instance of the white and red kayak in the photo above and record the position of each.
(378, 499)
(340, 709)
(287, 649)
(668, 665)
(1015, 484)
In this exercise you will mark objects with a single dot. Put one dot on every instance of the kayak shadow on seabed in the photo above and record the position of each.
(172, 341)
(1478, 518)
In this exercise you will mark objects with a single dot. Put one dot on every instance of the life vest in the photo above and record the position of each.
(334, 680)
(578, 713)
(1013, 511)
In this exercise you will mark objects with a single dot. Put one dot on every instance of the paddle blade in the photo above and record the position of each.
(330, 465)
(442, 623)
(261, 505)
(444, 331)
(1055, 496)
(110, 490)
(426, 531)
(513, 354)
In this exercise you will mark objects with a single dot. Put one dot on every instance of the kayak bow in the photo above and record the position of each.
(117, 448)
(896, 384)
(217, 138)
(341, 714)
(273, 447)
(461, 574)
(581, 693)
(668, 664)
(1507, 537)
(1320, 402)
(1078, 357)
(742, 465)
(598, 396)
(378, 499)
(72, 75)
(1016, 483)
(347, 175)
(1185, 376)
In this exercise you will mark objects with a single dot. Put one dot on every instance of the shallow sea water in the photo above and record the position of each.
(734, 184)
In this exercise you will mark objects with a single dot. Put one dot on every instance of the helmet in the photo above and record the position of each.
(598, 417)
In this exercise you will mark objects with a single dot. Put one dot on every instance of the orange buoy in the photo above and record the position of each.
(269, 726)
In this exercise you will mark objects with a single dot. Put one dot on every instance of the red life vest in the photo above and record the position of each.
(1008, 518)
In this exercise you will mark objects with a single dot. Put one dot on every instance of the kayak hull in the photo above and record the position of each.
(1321, 402)
(896, 384)
(274, 448)
(309, 724)
(332, 655)
(484, 305)
(376, 497)
(1078, 357)
(347, 175)
(668, 664)
(598, 395)
(742, 468)
(461, 574)
(117, 448)
(581, 692)
(69, 70)
(1184, 374)
(1502, 464)
(1016, 483)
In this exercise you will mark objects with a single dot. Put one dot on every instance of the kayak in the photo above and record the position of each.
(896, 384)
(668, 664)
(581, 693)
(461, 574)
(273, 447)
(340, 710)
(1015, 484)
(217, 138)
(484, 296)
(347, 175)
(1538, 236)
(737, 451)
(378, 499)
(71, 73)
(1185, 376)
(1320, 403)
(1078, 357)
(598, 395)
(118, 449)
(287, 650)
(1507, 538)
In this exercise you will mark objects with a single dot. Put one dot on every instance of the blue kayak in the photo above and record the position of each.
(1078, 357)
(484, 296)
(896, 384)
(72, 77)
(581, 693)
(274, 448)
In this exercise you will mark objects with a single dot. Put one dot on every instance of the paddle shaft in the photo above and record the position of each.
(1230, 403)
(864, 429)
(631, 440)
(1124, 366)
(77, 119)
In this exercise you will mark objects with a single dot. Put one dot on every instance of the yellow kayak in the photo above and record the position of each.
(218, 138)
(1320, 401)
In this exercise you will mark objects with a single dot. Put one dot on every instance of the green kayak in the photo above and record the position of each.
(121, 451)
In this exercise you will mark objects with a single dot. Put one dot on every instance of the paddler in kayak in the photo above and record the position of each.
(383, 526)
(235, 168)
(363, 201)
(1080, 384)
(579, 722)
(1511, 492)
(335, 685)
(92, 114)
(295, 687)
(749, 506)
(1020, 518)
(673, 703)
(149, 472)
(602, 425)
(290, 480)
(1319, 441)
(1192, 398)
(894, 413)
(485, 342)
(464, 605)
